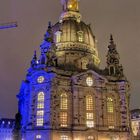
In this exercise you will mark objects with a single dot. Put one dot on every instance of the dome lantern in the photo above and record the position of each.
(70, 5)
(70, 10)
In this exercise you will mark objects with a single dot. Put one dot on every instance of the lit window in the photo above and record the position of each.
(90, 124)
(111, 127)
(41, 96)
(39, 121)
(110, 119)
(64, 137)
(38, 136)
(89, 111)
(110, 107)
(64, 102)
(89, 81)
(110, 110)
(70, 6)
(90, 116)
(40, 105)
(40, 113)
(40, 79)
(80, 36)
(89, 102)
(84, 64)
(63, 119)
(135, 128)
(58, 36)
(90, 137)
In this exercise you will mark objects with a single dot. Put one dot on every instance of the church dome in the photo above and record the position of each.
(72, 36)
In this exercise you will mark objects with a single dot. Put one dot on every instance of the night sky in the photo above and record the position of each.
(119, 17)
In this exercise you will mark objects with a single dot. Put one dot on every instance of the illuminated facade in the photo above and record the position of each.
(66, 96)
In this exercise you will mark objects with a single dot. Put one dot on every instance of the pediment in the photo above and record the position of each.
(81, 78)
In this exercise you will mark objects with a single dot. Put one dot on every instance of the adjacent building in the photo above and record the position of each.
(65, 95)
(135, 123)
(6, 129)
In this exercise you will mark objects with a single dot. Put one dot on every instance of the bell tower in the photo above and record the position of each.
(113, 60)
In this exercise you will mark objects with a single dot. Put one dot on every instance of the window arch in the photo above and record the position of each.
(64, 101)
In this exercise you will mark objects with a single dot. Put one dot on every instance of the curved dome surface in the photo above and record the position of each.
(72, 31)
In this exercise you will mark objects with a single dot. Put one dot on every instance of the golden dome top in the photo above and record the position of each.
(70, 5)
(70, 10)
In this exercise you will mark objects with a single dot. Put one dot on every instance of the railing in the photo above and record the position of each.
(104, 128)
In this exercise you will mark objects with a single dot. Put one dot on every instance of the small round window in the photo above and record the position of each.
(40, 79)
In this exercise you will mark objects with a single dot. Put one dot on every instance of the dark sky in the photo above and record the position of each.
(119, 17)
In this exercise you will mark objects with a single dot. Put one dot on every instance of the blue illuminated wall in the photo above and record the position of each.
(28, 102)
(28, 96)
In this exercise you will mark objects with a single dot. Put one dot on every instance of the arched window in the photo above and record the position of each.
(40, 109)
(110, 111)
(63, 101)
(89, 111)
(40, 97)
(80, 36)
(63, 110)
(110, 106)
(89, 102)
(58, 36)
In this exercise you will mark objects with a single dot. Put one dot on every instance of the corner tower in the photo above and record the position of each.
(65, 95)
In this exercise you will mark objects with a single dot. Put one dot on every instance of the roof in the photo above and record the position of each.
(135, 111)
(135, 114)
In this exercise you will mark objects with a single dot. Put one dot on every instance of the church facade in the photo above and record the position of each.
(65, 95)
